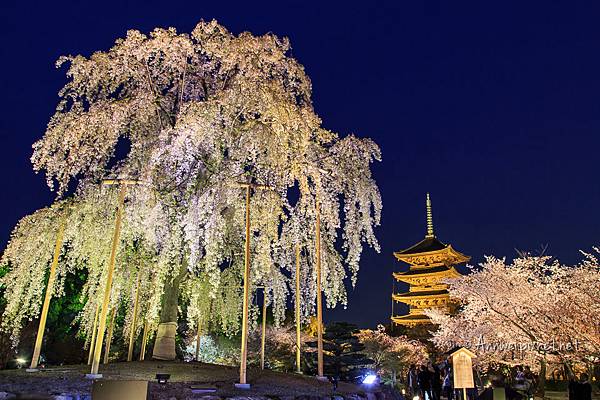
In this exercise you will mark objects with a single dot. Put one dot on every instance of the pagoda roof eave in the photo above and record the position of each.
(457, 256)
(412, 274)
(422, 294)
(410, 318)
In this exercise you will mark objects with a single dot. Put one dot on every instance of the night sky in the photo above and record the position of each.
(492, 108)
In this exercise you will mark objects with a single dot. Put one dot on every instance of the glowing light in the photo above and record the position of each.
(369, 379)
(162, 378)
(21, 360)
(415, 398)
(403, 392)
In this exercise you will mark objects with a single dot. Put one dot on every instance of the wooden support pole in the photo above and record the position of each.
(197, 358)
(49, 289)
(108, 286)
(319, 295)
(144, 341)
(111, 327)
(264, 330)
(298, 317)
(94, 334)
(134, 322)
(244, 349)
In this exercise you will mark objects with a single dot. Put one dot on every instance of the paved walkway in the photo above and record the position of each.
(565, 396)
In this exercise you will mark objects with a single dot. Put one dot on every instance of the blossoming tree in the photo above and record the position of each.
(392, 355)
(526, 311)
(202, 112)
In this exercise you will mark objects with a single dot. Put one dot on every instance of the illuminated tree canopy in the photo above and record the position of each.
(525, 311)
(200, 112)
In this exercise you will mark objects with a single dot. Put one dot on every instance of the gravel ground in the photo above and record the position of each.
(267, 384)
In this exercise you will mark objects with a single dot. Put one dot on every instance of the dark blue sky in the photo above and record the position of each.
(493, 108)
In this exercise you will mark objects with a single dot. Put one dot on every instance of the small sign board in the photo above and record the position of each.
(119, 390)
(462, 368)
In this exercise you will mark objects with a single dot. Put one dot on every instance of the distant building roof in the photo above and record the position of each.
(424, 246)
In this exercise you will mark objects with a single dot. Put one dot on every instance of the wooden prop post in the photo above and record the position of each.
(134, 322)
(111, 328)
(49, 288)
(319, 294)
(197, 358)
(264, 330)
(93, 340)
(298, 369)
(122, 183)
(244, 347)
(244, 350)
(144, 341)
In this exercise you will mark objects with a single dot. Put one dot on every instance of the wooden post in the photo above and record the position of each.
(144, 341)
(244, 349)
(198, 340)
(49, 288)
(264, 330)
(319, 298)
(111, 327)
(108, 286)
(298, 369)
(94, 334)
(133, 324)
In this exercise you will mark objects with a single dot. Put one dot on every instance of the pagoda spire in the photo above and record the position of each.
(429, 219)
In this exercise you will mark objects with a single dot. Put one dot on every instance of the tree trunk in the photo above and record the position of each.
(542, 378)
(164, 345)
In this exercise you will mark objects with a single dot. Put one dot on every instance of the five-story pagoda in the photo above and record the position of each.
(430, 262)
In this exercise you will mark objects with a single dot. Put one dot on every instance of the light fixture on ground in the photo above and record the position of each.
(20, 362)
(370, 379)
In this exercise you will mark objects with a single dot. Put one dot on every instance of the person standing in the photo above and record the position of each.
(412, 381)
(425, 383)
(499, 389)
(448, 383)
(436, 381)
(580, 390)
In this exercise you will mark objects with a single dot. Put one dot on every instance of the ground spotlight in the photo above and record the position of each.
(369, 379)
(415, 398)
(162, 378)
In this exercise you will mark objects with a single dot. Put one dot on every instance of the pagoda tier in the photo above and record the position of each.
(430, 262)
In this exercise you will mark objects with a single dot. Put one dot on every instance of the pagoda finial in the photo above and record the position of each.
(429, 219)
